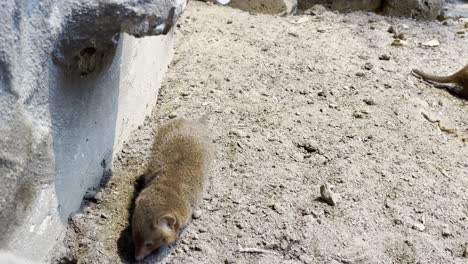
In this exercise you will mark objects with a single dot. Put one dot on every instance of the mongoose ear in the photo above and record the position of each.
(167, 222)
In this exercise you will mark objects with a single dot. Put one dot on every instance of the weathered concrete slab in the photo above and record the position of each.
(72, 87)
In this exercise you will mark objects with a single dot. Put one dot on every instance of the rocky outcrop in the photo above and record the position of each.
(75, 78)
(342, 5)
(421, 9)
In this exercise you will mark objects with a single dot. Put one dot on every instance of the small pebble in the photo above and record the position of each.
(172, 115)
(294, 34)
(202, 230)
(328, 195)
(90, 194)
(446, 232)
(305, 259)
(237, 133)
(230, 260)
(98, 197)
(360, 74)
(400, 35)
(431, 43)
(196, 214)
(391, 29)
(198, 248)
(368, 66)
(104, 215)
(369, 101)
(448, 22)
(185, 248)
(385, 57)
(419, 226)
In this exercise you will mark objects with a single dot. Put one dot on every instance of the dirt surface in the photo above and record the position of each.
(297, 102)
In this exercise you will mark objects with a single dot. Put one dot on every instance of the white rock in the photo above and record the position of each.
(431, 43)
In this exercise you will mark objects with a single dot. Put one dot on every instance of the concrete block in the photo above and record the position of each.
(76, 77)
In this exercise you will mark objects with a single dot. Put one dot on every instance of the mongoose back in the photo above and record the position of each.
(460, 78)
(174, 183)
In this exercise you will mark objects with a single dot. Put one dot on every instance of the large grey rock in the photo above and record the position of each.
(426, 9)
(422, 9)
(72, 87)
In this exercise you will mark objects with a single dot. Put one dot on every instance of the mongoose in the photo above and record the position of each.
(174, 183)
(460, 78)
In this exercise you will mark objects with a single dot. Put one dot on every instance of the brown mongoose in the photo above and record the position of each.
(460, 78)
(174, 183)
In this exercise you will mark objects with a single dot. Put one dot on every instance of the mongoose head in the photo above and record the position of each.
(151, 232)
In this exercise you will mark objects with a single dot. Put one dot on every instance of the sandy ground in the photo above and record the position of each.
(297, 102)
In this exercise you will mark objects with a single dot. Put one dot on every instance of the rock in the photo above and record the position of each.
(359, 114)
(360, 74)
(398, 42)
(306, 259)
(185, 94)
(328, 195)
(202, 230)
(392, 29)
(466, 24)
(222, 2)
(104, 216)
(465, 253)
(307, 146)
(423, 9)
(266, 6)
(238, 133)
(399, 35)
(196, 214)
(230, 260)
(98, 197)
(369, 101)
(446, 232)
(368, 66)
(431, 43)
(448, 22)
(341, 5)
(198, 248)
(90, 194)
(384, 57)
(419, 227)
(315, 10)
